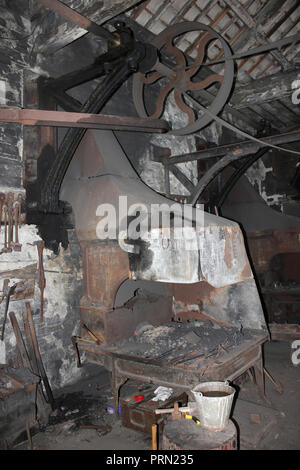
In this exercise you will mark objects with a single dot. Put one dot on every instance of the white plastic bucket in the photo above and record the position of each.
(213, 411)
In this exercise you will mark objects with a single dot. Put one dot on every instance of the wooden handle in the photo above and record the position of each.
(154, 436)
(183, 409)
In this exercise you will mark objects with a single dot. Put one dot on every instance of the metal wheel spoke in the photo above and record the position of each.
(152, 79)
(184, 107)
(180, 57)
(200, 54)
(161, 100)
(206, 82)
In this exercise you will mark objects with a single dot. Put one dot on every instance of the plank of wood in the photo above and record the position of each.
(20, 342)
(40, 364)
(284, 331)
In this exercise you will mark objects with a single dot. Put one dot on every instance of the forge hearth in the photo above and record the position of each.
(216, 273)
(177, 342)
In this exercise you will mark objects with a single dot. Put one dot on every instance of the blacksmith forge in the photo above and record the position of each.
(149, 219)
(213, 282)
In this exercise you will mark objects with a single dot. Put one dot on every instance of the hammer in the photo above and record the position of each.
(2, 201)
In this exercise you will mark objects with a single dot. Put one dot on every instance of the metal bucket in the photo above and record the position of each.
(213, 404)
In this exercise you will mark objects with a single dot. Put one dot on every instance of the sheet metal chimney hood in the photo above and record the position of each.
(100, 173)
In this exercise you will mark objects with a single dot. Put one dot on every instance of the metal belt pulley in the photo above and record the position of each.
(182, 79)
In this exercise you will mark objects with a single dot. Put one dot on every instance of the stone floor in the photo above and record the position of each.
(273, 424)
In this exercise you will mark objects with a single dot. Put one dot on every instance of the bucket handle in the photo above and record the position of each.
(198, 393)
(227, 382)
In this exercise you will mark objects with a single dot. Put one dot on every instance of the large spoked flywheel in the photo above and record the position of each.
(178, 75)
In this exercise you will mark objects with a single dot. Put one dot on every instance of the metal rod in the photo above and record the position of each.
(211, 174)
(236, 129)
(77, 18)
(184, 180)
(243, 148)
(261, 49)
(230, 183)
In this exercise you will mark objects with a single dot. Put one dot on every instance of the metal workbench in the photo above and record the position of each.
(227, 366)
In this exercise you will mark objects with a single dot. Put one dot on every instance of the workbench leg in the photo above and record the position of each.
(116, 382)
(259, 377)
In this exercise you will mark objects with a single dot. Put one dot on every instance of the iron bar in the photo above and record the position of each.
(184, 180)
(261, 49)
(230, 183)
(243, 148)
(38, 117)
(211, 174)
(78, 77)
(72, 15)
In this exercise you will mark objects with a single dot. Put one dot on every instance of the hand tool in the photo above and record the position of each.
(10, 201)
(2, 201)
(182, 409)
(154, 436)
(6, 248)
(41, 276)
(75, 345)
(20, 342)
(4, 289)
(16, 211)
(188, 416)
(20, 200)
(40, 364)
(92, 335)
(9, 293)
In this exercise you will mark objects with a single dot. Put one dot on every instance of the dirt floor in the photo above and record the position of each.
(273, 424)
